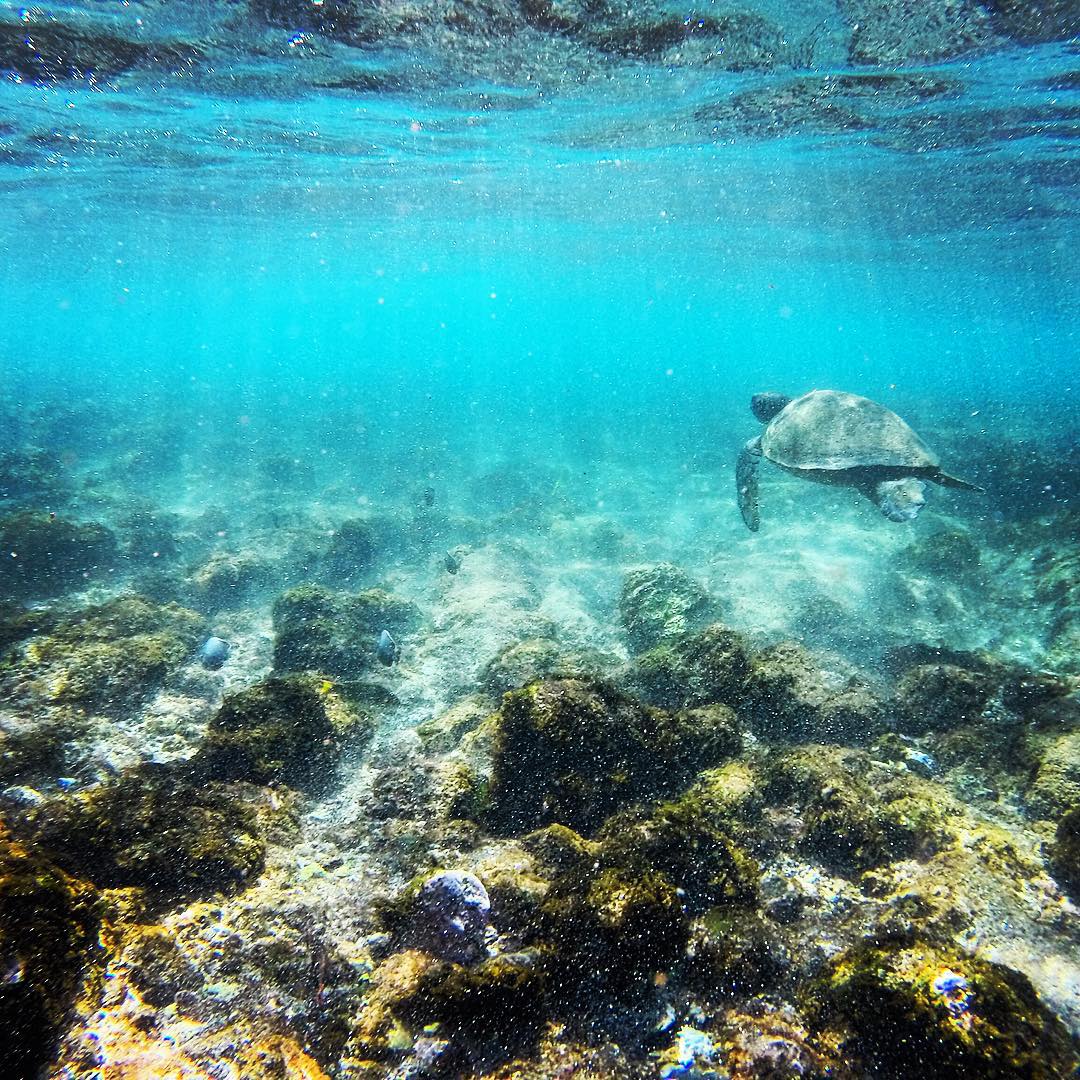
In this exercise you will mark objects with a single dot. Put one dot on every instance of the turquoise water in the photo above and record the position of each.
(450, 314)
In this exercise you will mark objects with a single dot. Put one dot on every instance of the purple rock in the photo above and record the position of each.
(453, 909)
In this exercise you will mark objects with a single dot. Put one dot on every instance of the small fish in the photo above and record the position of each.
(213, 652)
(452, 562)
(387, 649)
(427, 496)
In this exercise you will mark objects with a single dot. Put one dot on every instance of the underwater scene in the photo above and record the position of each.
(540, 539)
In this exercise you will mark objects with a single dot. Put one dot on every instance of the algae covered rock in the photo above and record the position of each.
(675, 839)
(572, 752)
(350, 553)
(1064, 853)
(851, 821)
(609, 931)
(661, 604)
(945, 552)
(227, 581)
(48, 937)
(945, 691)
(45, 555)
(288, 730)
(917, 1011)
(110, 657)
(710, 666)
(335, 634)
(793, 694)
(523, 662)
(897, 32)
(155, 827)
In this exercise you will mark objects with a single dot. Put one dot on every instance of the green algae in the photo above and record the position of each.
(321, 631)
(109, 657)
(572, 752)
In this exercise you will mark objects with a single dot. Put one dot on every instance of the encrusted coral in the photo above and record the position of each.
(334, 634)
(289, 730)
(157, 827)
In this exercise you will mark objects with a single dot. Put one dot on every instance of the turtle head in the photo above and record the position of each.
(900, 500)
(766, 406)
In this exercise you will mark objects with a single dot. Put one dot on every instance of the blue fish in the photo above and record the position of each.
(387, 649)
(214, 652)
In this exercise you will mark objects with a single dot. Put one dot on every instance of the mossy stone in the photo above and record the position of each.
(44, 554)
(48, 937)
(660, 604)
(698, 669)
(918, 1011)
(334, 634)
(707, 866)
(109, 657)
(289, 730)
(609, 931)
(161, 828)
(572, 752)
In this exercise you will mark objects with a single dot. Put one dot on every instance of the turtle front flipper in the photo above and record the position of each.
(746, 483)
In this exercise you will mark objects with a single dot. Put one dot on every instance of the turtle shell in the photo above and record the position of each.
(830, 430)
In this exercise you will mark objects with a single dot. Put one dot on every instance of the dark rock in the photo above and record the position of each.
(571, 752)
(793, 695)
(49, 926)
(160, 828)
(709, 667)
(918, 1011)
(336, 634)
(289, 730)
(44, 555)
(897, 32)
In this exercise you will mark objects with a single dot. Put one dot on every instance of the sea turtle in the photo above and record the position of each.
(836, 438)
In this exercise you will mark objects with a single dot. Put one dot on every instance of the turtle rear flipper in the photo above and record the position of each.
(746, 483)
(945, 480)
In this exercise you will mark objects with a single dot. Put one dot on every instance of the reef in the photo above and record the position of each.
(160, 828)
(911, 1009)
(571, 752)
(46, 555)
(227, 581)
(335, 634)
(290, 730)
(106, 658)
(791, 694)
(661, 604)
(49, 925)
(709, 667)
